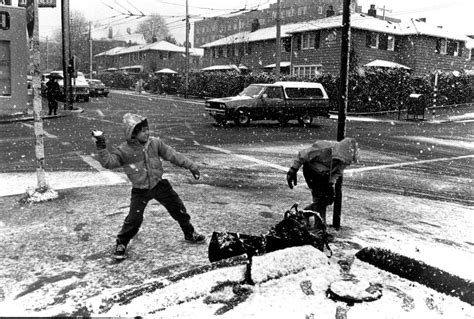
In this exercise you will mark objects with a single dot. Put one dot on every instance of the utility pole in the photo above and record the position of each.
(383, 9)
(90, 50)
(278, 41)
(187, 53)
(47, 53)
(343, 98)
(43, 191)
(66, 54)
(32, 22)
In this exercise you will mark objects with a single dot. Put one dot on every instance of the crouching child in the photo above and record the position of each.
(323, 163)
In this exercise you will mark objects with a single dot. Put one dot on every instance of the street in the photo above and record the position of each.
(419, 156)
(411, 192)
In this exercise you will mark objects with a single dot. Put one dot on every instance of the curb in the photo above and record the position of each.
(25, 118)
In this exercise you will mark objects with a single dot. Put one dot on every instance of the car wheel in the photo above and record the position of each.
(283, 120)
(305, 120)
(221, 122)
(243, 118)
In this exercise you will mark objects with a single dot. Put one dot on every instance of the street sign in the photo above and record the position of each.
(41, 3)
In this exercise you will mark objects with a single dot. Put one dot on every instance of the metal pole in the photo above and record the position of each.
(66, 53)
(187, 52)
(343, 98)
(278, 41)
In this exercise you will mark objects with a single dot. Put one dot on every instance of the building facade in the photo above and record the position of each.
(14, 55)
(313, 47)
(291, 11)
(148, 58)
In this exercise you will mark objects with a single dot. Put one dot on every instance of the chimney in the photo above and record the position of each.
(422, 19)
(255, 25)
(330, 12)
(111, 33)
(372, 12)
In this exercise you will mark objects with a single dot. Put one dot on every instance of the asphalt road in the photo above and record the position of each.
(423, 159)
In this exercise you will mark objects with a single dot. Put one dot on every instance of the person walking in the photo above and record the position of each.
(141, 158)
(323, 163)
(52, 94)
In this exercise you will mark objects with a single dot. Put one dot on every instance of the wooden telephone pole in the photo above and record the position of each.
(187, 53)
(343, 98)
(278, 41)
(43, 191)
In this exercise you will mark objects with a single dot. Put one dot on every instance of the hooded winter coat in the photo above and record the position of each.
(319, 158)
(142, 163)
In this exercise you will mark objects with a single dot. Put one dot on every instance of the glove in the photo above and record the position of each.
(99, 139)
(195, 173)
(291, 177)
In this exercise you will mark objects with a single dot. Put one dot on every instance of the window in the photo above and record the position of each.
(310, 40)
(391, 43)
(4, 20)
(304, 93)
(248, 49)
(441, 46)
(235, 26)
(307, 71)
(305, 10)
(274, 15)
(164, 55)
(241, 24)
(300, 11)
(320, 10)
(220, 52)
(452, 48)
(372, 40)
(5, 71)
(286, 44)
(274, 93)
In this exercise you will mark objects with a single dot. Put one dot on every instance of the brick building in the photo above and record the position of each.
(148, 58)
(315, 46)
(291, 11)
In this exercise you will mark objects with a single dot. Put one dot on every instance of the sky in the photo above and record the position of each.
(455, 14)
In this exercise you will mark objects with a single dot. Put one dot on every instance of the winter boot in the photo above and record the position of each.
(195, 238)
(119, 252)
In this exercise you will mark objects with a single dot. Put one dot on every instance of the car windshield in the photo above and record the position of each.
(252, 91)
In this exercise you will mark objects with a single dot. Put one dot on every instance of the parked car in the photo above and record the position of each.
(281, 101)
(80, 87)
(97, 88)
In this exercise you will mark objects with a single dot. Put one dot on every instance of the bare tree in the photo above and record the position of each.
(153, 28)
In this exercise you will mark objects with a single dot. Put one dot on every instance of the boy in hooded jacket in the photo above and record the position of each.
(140, 156)
(323, 163)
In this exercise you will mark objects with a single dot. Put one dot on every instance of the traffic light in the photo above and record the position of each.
(72, 67)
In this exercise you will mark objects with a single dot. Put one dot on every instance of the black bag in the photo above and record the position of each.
(293, 230)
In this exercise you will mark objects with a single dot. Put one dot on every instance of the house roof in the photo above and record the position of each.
(358, 21)
(156, 46)
(258, 35)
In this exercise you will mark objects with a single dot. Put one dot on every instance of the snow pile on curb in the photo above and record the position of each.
(187, 292)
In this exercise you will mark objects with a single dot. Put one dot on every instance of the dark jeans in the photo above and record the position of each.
(53, 106)
(323, 196)
(165, 195)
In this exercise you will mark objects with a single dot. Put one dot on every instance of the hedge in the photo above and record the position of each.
(370, 90)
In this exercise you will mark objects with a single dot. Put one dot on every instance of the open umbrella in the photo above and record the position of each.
(56, 76)
(387, 64)
(166, 71)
